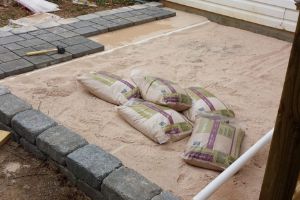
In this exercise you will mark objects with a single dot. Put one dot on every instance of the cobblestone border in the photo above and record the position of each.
(69, 33)
(94, 171)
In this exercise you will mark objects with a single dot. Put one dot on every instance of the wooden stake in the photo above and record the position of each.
(284, 157)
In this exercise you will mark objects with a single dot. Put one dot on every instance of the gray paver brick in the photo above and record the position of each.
(136, 187)
(81, 24)
(114, 26)
(67, 27)
(39, 61)
(110, 17)
(87, 17)
(38, 32)
(135, 13)
(5, 34)
(3, 50)
(4, 90)
(31, 42)
(29, 124)
(16, 67)
(13, 46)
(10, 105)
(26, 36)
(125, 14)
(94, 46)
(92, 164)
(57, 142)
(87, 31)
(100, 28)
(75, 40)
(165, 196)
(32, 149)
(9, 56)
(57, 29)
(10, 39)
(89, 191)
(45, 46)
(68, 34)
(58, 58)
(124, 22)
(59, 43)
(49, 37)
(23, 29)
(78, 50)
(22, 52)
(99, 20)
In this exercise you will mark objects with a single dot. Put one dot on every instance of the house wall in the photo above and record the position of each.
(279, 14)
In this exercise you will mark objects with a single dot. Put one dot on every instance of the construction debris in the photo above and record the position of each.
(85, 2)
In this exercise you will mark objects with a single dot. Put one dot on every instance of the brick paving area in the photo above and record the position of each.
(70, 34)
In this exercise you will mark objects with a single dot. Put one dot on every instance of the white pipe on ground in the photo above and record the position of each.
(233, 168)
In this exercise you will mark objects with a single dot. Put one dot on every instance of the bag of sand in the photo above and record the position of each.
(160, 124)
(205, 104)
(109, 87)
(162, 92)
(214, 144)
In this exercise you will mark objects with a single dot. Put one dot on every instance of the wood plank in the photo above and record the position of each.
(284, 161)
(4, 136)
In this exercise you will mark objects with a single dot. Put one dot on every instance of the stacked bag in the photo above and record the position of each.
(165, 112)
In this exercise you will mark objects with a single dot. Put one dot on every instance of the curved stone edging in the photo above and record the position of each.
(99, 174)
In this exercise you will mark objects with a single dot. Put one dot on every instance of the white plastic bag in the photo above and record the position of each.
(39, 6)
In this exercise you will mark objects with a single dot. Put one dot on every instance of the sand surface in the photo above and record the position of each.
(244, 69)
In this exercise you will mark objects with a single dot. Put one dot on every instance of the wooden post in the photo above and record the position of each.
(283, 164)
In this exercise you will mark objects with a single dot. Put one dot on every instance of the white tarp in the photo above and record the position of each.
(39, 6)
(34, 19)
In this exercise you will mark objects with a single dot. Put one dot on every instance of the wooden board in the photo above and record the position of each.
(4, 136)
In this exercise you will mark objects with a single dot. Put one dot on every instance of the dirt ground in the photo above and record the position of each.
(244, 69)
(67, 9)
(23, 177)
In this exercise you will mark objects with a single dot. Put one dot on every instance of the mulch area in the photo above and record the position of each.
(15, 11)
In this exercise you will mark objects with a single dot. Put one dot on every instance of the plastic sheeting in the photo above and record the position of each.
(39, 6)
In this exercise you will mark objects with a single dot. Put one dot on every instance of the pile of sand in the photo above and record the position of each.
(243, 69)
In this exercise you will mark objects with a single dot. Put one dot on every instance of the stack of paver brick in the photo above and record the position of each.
(69, 33)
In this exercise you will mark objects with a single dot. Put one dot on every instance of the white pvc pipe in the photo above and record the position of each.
(233, 168)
